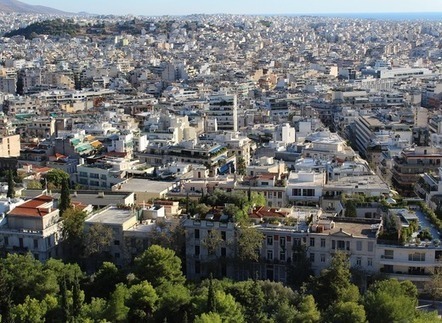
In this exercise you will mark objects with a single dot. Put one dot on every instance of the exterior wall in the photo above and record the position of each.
(10, 146)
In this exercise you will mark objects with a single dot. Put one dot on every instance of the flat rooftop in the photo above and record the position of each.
(111, 215)
(146, 185)
(363, 230)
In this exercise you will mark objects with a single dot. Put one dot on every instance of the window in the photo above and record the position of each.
(341, 245)
(223, 252)
(370, 246)
(117, 242)
(269, 254)
(35, 244)
(296, 242)
(296, 192)
(103, 177)
(83, 174)
(282, 255)
(322, 243)
(333, 244)
(359, 245)
(417, 256)
(6, 241)
(369, 262)
(197, 250)
(312, 257)
(197, 233)
(322, 257)
(312, 242)
(223, 235)
(388, 254)
(358, 261)
(282, 242)
(308, 192)
(269, 240)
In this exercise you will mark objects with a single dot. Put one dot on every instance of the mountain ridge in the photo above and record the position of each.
(15, 6)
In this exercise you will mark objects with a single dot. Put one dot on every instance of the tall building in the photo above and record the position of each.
(224, 108)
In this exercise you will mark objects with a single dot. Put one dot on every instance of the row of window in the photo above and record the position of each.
(196, 233)
(92, 175)
(303, 192)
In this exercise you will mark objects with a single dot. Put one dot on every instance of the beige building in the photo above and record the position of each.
(10, 146)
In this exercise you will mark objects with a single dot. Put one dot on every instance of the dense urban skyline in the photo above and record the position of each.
(170, 7)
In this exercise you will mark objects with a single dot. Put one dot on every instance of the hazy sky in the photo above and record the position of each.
(184, 7)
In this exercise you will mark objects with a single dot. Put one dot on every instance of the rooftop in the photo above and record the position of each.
(112, 215)
(37, 207)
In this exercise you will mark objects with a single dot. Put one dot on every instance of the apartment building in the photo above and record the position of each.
(224, 108)
(9, 146)
(34, 226)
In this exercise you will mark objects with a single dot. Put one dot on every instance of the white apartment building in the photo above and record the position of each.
(34, 226)
(224, 108)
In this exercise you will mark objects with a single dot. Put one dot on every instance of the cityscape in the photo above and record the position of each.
(220, 167)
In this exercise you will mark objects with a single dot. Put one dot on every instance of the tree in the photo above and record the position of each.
(174, 300)
(73, 229)
(434, 286)
(11, 191)
(251, 296)
(391, 301)
(117, 310)
(65, 196)
(104, 280)
(211, 303)
(208, 318)
(34, 185)
(227, 308)
(31, 311)
(348, 312)
(55, 177)
(307, 310)
(141, 302)
(300, 268)
(26, 276)
(158, 265)
(333, 284)
(97, 240)
(249, 243)
(286, 313)
(95, 310)
(241, 166)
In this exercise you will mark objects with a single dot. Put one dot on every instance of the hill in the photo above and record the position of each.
(11, 6)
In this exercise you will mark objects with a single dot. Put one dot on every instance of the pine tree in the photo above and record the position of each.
(64, 301)
(11, 192)
(65, 196)
(77, 301)
(211, 302)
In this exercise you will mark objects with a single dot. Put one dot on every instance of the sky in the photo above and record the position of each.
(186, 7)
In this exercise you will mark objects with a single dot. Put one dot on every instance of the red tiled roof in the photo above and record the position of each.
(32, 207)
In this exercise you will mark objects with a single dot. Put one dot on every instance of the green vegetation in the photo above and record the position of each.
(237, 204)
(153, 289)
(435, 219)
(55, 27)
(55, 177)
